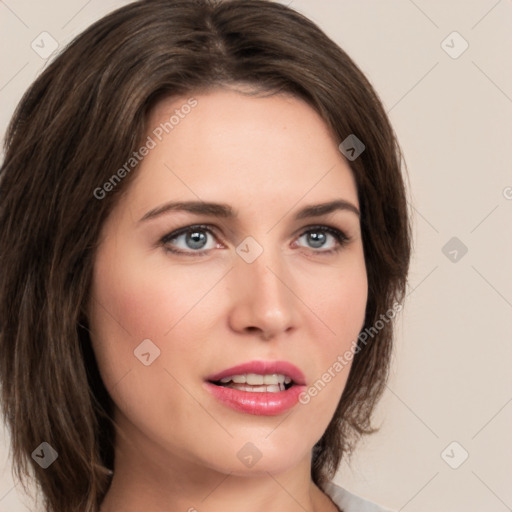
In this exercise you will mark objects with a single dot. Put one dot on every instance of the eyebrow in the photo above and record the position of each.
(225, 211)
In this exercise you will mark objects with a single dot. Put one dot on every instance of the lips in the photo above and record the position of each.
(264, 388)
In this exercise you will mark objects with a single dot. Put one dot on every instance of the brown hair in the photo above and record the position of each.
(79, 121)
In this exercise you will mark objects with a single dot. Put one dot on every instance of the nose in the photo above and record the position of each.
(262, 298)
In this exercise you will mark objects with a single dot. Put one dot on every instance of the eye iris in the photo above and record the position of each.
(196, 239)
(316, 239)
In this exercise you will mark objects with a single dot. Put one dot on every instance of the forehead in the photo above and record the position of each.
(232, 147)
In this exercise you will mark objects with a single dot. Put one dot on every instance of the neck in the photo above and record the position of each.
(145, 478)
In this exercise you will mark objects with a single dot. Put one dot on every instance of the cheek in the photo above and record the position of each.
(135, 300)
(146, 299)
(341, 305)
(131, 303)
(342, 302)
(125, 309)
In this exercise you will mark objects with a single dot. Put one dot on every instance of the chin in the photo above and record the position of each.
(258, 455)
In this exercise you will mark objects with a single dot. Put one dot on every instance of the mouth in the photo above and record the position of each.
(259, 387)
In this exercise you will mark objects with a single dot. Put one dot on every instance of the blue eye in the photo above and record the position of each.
(323, 237)
(192, 239)
(198, 240)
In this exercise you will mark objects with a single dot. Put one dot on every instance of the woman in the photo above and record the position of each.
(204, 242)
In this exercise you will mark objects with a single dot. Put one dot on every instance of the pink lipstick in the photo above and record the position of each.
(265, 388)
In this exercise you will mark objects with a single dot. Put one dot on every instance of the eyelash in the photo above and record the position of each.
(339, 236)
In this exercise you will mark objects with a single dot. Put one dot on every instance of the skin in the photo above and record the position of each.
(176, 445)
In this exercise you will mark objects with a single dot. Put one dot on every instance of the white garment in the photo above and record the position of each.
(348, 502)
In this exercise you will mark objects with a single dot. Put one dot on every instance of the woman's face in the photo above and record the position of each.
(257, 278)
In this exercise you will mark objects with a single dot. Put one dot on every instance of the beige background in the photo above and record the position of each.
(451, 379)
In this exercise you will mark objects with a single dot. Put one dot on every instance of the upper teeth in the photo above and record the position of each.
(253, 379)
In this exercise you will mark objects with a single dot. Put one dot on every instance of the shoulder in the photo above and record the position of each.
(348, 502)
